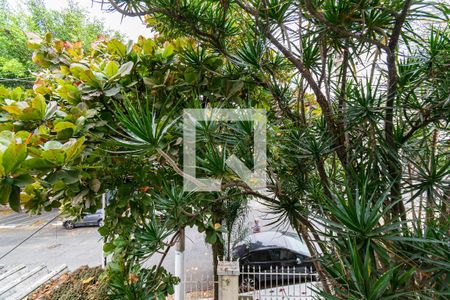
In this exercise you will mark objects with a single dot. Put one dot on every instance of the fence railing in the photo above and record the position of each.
(260, 283)
(198, 287)
(278, 283)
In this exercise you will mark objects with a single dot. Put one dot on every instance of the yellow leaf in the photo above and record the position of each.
(87, 280)
(13, 110)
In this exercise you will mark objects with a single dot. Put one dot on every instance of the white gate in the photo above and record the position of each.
(256, 283)
(278, 283)
(199, 287)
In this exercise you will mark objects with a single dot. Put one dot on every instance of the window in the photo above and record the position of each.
(275, 254)
(259, 256)
(288, 255)
(281, 254)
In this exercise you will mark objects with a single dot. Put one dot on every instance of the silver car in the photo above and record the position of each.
(95, 219)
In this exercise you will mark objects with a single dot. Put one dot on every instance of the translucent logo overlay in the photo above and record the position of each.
(255, 179)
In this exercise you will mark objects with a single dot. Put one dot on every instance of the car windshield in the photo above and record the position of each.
(270, 239)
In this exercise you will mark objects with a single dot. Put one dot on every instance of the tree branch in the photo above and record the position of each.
(177, 169)
(339, 30)
(423, 120)
(117, 7)
(321, 98)
(399, 21)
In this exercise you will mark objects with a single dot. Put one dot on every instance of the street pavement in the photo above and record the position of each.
(52, 246)
(55, 245)
(10, 219)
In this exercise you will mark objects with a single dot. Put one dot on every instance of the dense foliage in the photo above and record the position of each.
(373, 166)
(70, 25)
(63, 153)
(357, 99)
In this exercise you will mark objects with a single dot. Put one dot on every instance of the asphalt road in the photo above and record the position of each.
(54, 245)
(10, 219)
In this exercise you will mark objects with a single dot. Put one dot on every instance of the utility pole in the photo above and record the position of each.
(179, 266)
(104, 257)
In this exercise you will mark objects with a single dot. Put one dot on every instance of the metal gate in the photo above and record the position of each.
(199, 287)
(278, 283)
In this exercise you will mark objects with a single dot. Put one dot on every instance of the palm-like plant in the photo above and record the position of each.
(362, 138)
(144, 128)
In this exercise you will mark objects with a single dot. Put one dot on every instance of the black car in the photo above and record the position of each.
(273, 253)
(95, 219)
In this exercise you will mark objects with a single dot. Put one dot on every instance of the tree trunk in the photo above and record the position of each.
(301, 230)
(218, 251)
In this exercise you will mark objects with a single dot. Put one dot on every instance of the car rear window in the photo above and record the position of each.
(282, 254)
(259, 256)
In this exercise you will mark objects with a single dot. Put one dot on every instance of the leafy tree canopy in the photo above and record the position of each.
(357, 101)
(71, 25)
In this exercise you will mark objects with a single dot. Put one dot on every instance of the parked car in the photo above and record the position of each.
(95, 219)
(269, 253)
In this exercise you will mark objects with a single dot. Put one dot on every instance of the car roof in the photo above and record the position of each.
(270, 240)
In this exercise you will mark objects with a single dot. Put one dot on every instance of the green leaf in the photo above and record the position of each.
(103, 231)
(58, 186)
(76, 69)
(89, 78)
(168, 51)
(148, 45)
(381, 285)
(16, 94)
(75, 149)
(68, 177)
(112, 91)
(117, 47)
(2, 169)
(65, 130)
(14, 155)
(111, 69)
(125, 69)
(64, 125)
(39, 105)
(192, 76)
(5, 191)
(65, 134)
(23, 180)
(211, 236)
(70, 93)
(108, 247)
(14, 199)
(55, 156)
